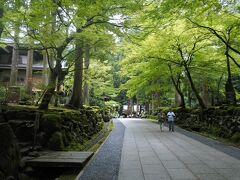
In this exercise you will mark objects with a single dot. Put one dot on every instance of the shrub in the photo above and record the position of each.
(106, 116)
(236, 137)
(215, 131)
(152, 117)
(25, 98)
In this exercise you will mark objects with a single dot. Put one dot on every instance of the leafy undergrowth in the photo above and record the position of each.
(151, 118)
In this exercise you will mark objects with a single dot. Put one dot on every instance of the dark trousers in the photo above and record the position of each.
(171, 125)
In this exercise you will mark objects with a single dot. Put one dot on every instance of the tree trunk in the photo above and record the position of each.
(57, 92)
(132, 105)
(177, 86)
(51, 85)
(56, 55)
(15, 57)
(152, 103)
(14, 68)
(147, 107)
(189, 97)
(200, 101)
(182, 101)
(86, 66)
(138, 111)
(29, 78)
(229, 92)
(76, 99)
(212, 99)
(158, 102)
(178, 100)
(49, 92)
(60, 79)
(205, 94)
(1, 16)
(52, 78)
(45, 69)
(218, 89)
(53, 74)
(229, 89)
(129, 111)
(86, 93)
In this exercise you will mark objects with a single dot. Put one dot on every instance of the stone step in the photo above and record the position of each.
(60, 159)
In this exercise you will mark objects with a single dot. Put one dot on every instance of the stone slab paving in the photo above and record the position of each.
(148, 154)
(105, 164)
(234, 152)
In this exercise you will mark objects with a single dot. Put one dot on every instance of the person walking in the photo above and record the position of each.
(161, 119)
(171, 116)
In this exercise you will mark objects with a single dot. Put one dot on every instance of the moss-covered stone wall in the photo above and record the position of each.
(30, 130)
(221, 121)
(56, 128)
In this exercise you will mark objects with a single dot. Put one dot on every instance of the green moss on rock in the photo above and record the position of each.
(51, 123)
(56, 142)
(60, 127)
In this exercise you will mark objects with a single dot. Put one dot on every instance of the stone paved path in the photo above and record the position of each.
(148, 154)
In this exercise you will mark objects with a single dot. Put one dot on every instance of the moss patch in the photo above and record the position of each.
(51, 123)
(56, 142)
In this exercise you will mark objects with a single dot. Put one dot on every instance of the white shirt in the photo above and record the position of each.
(170, 116)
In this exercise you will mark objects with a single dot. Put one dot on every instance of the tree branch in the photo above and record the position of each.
(215, 32)
(168, 60)
(235, 62)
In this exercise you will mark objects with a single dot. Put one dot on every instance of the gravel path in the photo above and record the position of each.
(105, 164)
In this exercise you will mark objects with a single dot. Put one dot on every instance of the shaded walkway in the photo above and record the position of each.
(105, 164)
(149, 154)
(137, 150)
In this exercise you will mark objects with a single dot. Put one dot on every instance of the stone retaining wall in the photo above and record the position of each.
(53, 130)
(220, 121)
